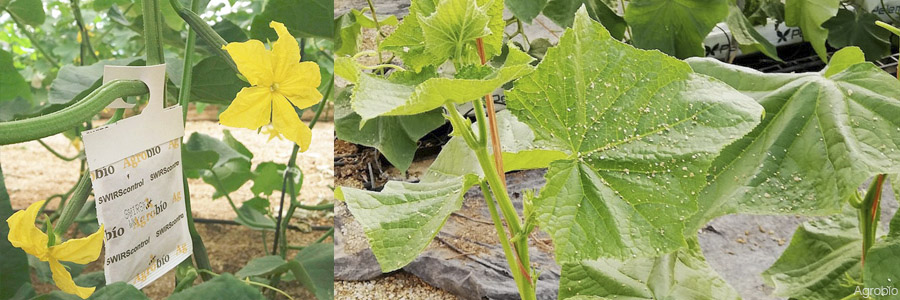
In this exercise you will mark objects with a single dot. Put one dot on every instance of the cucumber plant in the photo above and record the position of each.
(642, 149)
(66, 97)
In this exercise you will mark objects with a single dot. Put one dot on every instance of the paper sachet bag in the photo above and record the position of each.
(135, 167)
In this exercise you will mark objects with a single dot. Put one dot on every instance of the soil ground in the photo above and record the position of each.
(32, 174)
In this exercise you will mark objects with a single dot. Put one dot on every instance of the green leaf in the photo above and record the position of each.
(223, 165)
(820, 139)
(456, 23)
(118, 290)
(453, 29)
(683, 274)
(29, 12)
(526, 10)
(347, 39)
(677, 28)
(562, 12)
(224, 286)
(14, 264)
(396, 137)
(857, 28)
(521, 149)
(251, 216)
(303, 18)
(809, 15)
(882, 267)
(347, 68)
(408, 41)
(14, 85)
(316, 269)
(375, 96)
(74, 82)
(843, 59)
(402, 219)
(229, 31)
(821, 254)
(745, 34)
(262, 266)
(214, 82)
(643, 129)
(267, 178)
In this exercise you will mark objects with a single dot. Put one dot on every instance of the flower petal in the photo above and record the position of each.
(285, 51)
(64, 281)
(288, 123)
(23, 234)
(251, 108)
(79, 251)
(253, 60)
(300, 86)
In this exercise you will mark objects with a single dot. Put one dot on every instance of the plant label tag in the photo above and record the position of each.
(135, 168)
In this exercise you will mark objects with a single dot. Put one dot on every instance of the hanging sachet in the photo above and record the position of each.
(136, 171)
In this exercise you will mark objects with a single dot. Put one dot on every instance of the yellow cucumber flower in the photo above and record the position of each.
(278, 79)
(23, 234)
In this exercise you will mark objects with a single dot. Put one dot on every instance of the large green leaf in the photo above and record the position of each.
(745, 34)
(14, 264)
(316, 269)
(820, 139)
(74, 82)
(675, 27)
(396, 137)
(213, 81)
(29, 12)
(303, 18)
(222, 164)
(882, 267)
(375, 96)
(14, 85)
(821, 254)
(642, 128)
(809, 16)
(562, 12)
(224, 286)
(857, 28)
(683, 274)
(525, 10)
(402, 219)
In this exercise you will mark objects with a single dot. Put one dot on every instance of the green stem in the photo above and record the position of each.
(325, 236)
(504, 241)
(200, 256)
(46, 125)
(152, 32)
(85, 38)
(328, 206)
(73, 207)
(56, 153)
(281, 222)
(378, 29)
(520, 257)
(34, 42)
